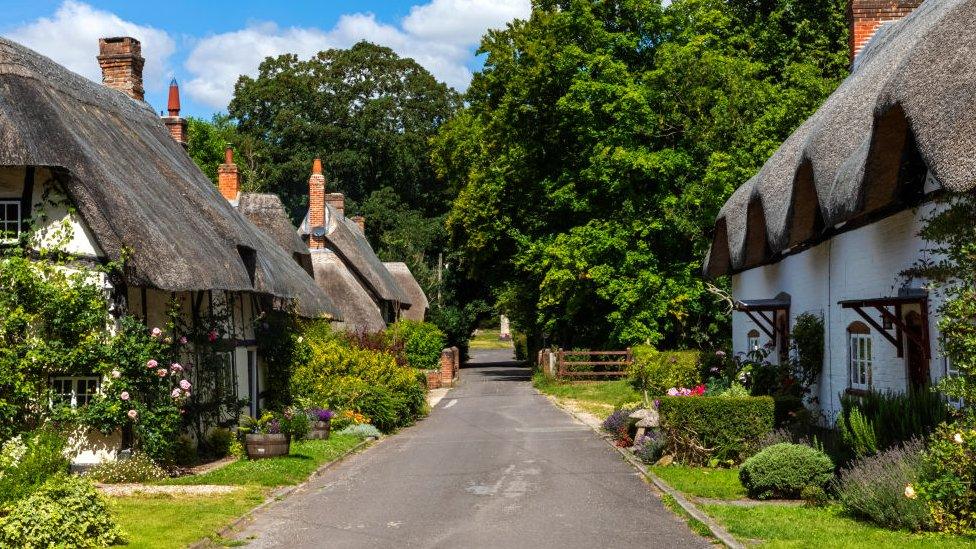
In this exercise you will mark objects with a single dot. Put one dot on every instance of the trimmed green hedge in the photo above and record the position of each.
(700, 429)
(422, 342)
(657, 371)
(784, 470)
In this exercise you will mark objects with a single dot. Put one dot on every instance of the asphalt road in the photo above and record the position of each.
(495, 465)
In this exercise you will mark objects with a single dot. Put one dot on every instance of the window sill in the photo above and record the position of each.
(856, 392)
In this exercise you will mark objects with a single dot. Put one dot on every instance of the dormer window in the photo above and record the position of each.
(10, 221)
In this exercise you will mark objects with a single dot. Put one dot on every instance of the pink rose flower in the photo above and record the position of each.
(152, 364)
(212, 336)
(133, 415)
(161, 372)
(175, 393)
(176, 367)
(185, 385)
(124, 395)
(672, 392)
(156, 332)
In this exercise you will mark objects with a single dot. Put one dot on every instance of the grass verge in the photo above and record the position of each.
(696, 525)
(703, 482)
(488, 339)
(781, 526)
(599, 398)
(306, 456)
(164, 521)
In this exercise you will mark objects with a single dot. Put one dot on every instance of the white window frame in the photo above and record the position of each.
(860, 360)
(75, 382)
(4, 203)
(752, 341)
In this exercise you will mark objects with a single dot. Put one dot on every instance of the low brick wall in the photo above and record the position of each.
(450, 365)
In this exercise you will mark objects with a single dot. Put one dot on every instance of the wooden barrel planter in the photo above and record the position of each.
(266, 446)
(320, 430)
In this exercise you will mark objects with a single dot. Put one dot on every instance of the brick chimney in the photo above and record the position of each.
(174, 122)
(316, 206)
(337, 201)
(864, 17)
(121, 61)
(228, 181)
(360, 221)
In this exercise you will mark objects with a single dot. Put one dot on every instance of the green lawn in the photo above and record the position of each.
(305, 458)
(175, 521)
(597, 397)
(164, 521)
(703, 482)
(488, 339)
(781, 526)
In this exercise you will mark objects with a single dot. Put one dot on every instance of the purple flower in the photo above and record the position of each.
(320, 414)
(182, 340)
(274, 427)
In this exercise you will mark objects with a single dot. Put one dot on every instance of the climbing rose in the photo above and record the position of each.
(124, 395)
(175, 393)
(156, 332)
(162, 372)
(152, 364)
(116, 374)
(185, 385)
(212, 336)
(133, 415)
(672, 392)
(176, 367)
(719, 353)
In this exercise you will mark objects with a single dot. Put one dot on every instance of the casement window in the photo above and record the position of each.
(860, 355)
(752, 341)
(950, 372)
(74, 391)
(10, 220)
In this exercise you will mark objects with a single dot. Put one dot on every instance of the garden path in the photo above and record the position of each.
(495, 465)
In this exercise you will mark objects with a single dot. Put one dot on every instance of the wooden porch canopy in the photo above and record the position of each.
(757, 310)
(882, 304)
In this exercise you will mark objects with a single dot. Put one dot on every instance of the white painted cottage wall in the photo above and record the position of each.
(858, 264)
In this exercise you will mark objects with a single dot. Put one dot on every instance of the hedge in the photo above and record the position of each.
(700, 429)
(657, 371)
(784, 470)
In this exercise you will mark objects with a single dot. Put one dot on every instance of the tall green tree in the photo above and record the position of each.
(599, 142)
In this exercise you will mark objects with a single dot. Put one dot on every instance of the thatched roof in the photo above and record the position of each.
(359, 311)
(135, 187)
(418, 299)
(907, 105)
(344, 237)
(268, 213)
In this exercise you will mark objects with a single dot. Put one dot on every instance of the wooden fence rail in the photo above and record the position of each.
(567, 361)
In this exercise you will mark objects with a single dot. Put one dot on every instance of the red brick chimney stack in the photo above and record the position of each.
(361, 222)
(121, 61)
(337, 201)
(316, 206)
(174, 122)
(228, 180)
(864, 17)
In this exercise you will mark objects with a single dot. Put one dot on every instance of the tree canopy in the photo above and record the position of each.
(598, 143)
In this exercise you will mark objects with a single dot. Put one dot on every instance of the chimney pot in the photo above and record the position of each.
(121, 61)
(228, 179)
(174, 122)
(317, 167)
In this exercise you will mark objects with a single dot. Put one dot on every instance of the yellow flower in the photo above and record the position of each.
(957, 438)
(910, 492)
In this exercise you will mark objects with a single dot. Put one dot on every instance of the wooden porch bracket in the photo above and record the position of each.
(882, 304)
(756, 309)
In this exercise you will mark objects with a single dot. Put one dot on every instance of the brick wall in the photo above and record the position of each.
(121, 61)
(865, 16)
(861, 263)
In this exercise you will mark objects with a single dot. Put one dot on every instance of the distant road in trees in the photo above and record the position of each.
(495, 465)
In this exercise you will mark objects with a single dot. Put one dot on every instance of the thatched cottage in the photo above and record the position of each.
(832, 218)
(415, 293)
(98, 159)
(345, 265)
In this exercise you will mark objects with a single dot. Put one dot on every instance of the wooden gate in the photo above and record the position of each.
(604, 363)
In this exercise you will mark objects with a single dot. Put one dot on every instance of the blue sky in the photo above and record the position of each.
(206, 45)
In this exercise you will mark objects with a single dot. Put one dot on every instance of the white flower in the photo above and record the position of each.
(957, 438)
(116, 374)
(910, 492)
(175, 393)
(156, 332)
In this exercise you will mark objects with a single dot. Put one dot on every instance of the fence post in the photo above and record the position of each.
(630, 357)
(559, 363)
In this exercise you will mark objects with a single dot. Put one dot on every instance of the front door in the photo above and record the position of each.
(918, 365)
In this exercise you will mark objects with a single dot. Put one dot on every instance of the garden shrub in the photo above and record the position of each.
(28, 460)
(656, 371)
(361, 430)
(340, 376)
(787, 409)
(649, 447)
(784, 470)
(874, 488)
(899, 417)
(422, 342)
(136, 468)
(700, 429)
(65, 511)
(948, 477)
(219, 441)
(858, 434)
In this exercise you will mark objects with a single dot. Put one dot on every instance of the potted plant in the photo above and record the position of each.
(321, 423)
(263, 437)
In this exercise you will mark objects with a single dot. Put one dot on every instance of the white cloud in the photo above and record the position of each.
(439, 35)
(71, 35)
